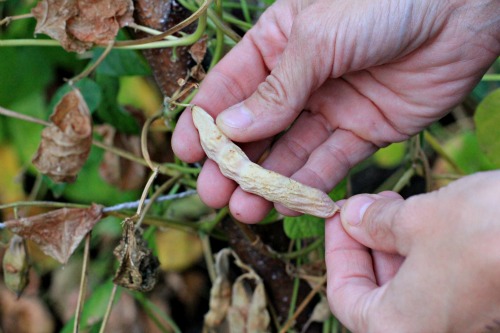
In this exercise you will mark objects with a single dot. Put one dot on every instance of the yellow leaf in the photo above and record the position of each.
(11, 189)
(177, 250)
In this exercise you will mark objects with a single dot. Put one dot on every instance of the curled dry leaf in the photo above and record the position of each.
(66, 143)
(16, 265)
(58, 232)
(80, 24)
(117, 171)
(138, 266)
(234, 164)
(197, 52)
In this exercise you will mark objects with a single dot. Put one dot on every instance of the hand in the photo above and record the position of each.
(367, 73)
(449, 279)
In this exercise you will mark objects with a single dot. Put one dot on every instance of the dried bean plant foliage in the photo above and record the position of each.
(115, 170)
(168, 64)
(138, 266)
(198, 51)
(80, 24)
(66, 143)
(58, 232)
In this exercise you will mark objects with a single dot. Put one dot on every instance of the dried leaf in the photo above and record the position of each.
(138, 266)
(58, 232)
(80, 24)
(66, 143)
(117, 171)
(197, 52)
(16, 265)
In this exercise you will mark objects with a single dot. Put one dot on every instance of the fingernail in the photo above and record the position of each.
(237, 116)
(355, 208)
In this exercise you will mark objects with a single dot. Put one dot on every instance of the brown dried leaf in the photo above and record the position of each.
(80, 24)
(117, 171)
(197, 52)
(58, 232)
(138, 266)
(66, 143)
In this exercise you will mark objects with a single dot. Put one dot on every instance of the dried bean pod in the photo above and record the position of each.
(252, 178)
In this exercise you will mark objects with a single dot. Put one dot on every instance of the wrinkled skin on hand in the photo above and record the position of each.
(367, 73)
(429, 264)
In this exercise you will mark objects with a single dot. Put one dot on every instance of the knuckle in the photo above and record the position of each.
(295, 149)
(272, 92)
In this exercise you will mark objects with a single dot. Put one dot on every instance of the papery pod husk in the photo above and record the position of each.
(258, 316)
(240, 305)
(220, 293)
(16, 265)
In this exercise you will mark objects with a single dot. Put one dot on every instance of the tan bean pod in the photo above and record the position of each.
(234, 164)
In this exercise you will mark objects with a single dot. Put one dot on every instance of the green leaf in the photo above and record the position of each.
(122, 62)
(90, 187)
(109, 111)
(487, 119)
(304, 226)
(340, 191)
(90, 90)
(94, 308)
(57, 189)
(26, 136)
(390, 156)
(307, 226)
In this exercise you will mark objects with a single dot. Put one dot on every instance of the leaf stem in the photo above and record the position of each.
(13, 114)
(83, 284)
(199, 13)
(7, 20)
(108, 309)
(219, 36)
(164, 187)
(491, 77)
(93, 66)
(303, 305)
(434, 143)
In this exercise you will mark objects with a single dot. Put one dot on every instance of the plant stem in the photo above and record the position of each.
(219, 37)
(93, 66)
(295, 290)
(404, 180)
(108, 309)
(246, 12)
(491, 77)
(20, 116)
(208, 255)
(83, 284)
(7, 20)
(165, 186)
(303, 305)
(299, 253)
(434, 143)
(152, 39)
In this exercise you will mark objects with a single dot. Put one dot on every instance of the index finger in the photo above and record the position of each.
(231, 81)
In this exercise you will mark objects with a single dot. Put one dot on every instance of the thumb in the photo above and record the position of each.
(382, 222)
(280, 98)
